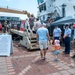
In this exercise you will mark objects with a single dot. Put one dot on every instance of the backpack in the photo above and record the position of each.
(0, 26)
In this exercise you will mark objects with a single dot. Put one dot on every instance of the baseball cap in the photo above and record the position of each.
(43, 24)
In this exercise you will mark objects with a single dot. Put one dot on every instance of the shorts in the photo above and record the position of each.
(43, 45)
(56, 38)
(56, 52)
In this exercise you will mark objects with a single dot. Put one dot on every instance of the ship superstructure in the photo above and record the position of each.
(55, 8)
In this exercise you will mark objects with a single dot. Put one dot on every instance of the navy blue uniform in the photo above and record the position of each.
(67, 35)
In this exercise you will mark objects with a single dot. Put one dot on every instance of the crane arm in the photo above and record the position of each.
(14, 11)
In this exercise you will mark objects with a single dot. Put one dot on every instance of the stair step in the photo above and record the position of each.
(36, 47)
(32, 38)
(33, 41)
(34, 44)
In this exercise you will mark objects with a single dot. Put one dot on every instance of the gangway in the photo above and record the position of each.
(29, 41)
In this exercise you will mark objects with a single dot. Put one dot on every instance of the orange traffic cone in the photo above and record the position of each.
(22, 25)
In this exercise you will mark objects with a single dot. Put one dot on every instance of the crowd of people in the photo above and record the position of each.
(4, 27)
(43, 38)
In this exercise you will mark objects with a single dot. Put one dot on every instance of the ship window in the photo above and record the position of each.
(40, 8)
(40, 1)
(43, 17)
(8, 18)
(2, 18)
(44, 6)
(74, 8)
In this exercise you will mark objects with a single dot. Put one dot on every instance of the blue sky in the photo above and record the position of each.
(28, 5)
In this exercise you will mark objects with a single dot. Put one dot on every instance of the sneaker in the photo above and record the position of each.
(56, 59)
(63, 51)
(44, 58)
(73, 56)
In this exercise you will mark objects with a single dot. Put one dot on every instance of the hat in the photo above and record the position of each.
(66, 24)
(43, 24)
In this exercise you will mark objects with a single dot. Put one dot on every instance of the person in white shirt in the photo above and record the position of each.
(67, 36)
(37, 25)
(27, 26)
(56, 33)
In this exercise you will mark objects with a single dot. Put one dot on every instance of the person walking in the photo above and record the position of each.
(56, 49)
(67, 35)
(42, 39)
(37, 24)
(56, 33)
(27, 26)
(31, 21)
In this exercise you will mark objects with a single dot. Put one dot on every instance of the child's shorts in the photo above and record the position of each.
(56, 52)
